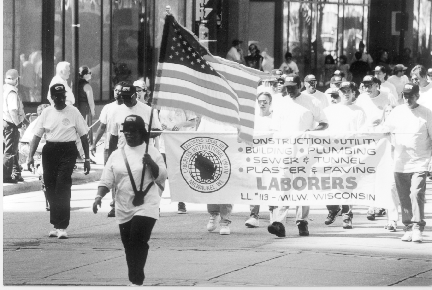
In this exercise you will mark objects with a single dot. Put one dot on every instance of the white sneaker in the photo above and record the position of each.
(225, 230)
(252, 222)
(417, 236)
(52, 233)
(61, 234)
(407, 237)
(212, 224)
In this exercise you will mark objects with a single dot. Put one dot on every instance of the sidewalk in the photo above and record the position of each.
(32, 183)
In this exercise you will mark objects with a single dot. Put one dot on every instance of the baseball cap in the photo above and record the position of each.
(399, 67)
(276, 72)
(57, 89)
(429, 72)
(292, 80)
(133, 122)
(310, 78)
(350, 85)
(332, 91)
(410, 88)
(338, 73)
(371, 79)
(380, 68)
(11, 74)
(127, 91)
(236, 42)
(336, 80)
(140, 84)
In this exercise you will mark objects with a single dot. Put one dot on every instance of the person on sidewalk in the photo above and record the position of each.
(262, 123)
(124, 171)
(86, 104)
(310, 83)
(411, 124)
(106, 119)
(13, 117)
(61, 124)
(380, 73)
(295, 111)
(419, 77)
(218, 212)
(61, 77)
(399, 79)
(344, 116)
(176, 120)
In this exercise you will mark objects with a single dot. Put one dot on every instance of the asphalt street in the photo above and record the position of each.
(183, 253)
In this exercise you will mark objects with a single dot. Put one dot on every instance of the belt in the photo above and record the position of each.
(60, 143)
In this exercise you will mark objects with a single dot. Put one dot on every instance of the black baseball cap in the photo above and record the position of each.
(57, 89)
(410, 89)
(292, 80)
(132, 123)
(127, 91)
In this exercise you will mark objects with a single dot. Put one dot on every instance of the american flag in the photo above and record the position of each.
(190, 78)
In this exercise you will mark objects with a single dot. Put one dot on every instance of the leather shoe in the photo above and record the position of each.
(277, 229)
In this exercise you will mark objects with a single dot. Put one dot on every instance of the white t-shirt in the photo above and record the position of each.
(373, 107)
(426, 96)
(233, 55)
(107, 117)
(12, 101)
(288, 68)
(208, 126)
(412, 130)
(296, 115)
(345, 118)
(70, 99)
(172, 117)
(262, 123)
(61, 125)
(321, 97)
(115, 175)
(399, 83)
(391, 90)
(140, 109)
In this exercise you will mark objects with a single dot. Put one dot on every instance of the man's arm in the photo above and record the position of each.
(112, 144)
(99, 133)
(321, 126)
(33, 146)
(85, 145)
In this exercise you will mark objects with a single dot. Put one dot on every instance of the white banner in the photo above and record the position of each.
(307, 168)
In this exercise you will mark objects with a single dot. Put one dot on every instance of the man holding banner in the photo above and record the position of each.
(295, 111)
(411, 124)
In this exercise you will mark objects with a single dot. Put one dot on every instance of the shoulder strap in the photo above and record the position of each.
(129, 171)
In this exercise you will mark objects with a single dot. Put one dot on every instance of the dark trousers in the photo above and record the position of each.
(11, 137)
(336, 208)
(84, 109)
(135, 235)
(58, 161)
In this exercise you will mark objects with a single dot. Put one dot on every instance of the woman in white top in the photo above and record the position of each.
(136, 212)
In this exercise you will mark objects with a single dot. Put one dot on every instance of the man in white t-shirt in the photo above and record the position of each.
(411, 124)
(61, 124)
(381, 74)
(289, 66)
(130, 107)
(419, 77)
(399, 79)
(310, 83)
(295, 112)
(61, 77)
(236, 53)
(344, 116)
(106, 118)
(176, 120)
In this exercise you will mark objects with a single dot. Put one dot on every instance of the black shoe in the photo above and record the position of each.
(331, 217)
(181, 208)
(19, 178)
(277, 229)
(10, 180)
(112, 212)
(303, 228)
(380, 212)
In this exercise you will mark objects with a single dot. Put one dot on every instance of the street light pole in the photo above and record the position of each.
(75, 49)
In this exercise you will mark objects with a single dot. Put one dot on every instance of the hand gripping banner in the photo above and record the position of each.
(307, 168)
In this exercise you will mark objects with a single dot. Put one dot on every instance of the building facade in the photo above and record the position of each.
(120, 39)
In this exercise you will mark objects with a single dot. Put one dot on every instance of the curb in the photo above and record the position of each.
(78, 177)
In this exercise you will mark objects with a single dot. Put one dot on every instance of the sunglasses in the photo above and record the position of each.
(334, 96)
(312, 82)
(367, 86)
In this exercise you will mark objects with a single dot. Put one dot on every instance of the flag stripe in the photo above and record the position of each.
(182, 88)
(190, 105)
(200, 79)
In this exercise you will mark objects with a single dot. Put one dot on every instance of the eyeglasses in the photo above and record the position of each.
(367, 86)
(346, 91)
(334, 96)
(89, 73)
(312, 82)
